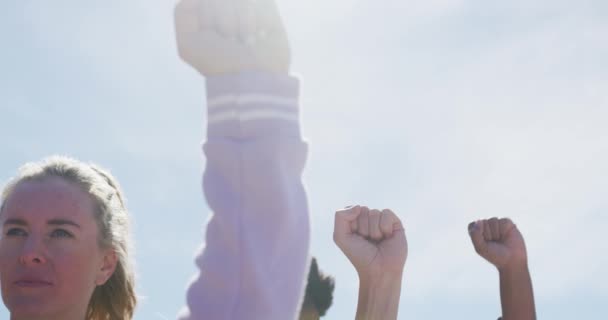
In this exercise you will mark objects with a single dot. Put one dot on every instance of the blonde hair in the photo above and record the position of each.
(115, 299)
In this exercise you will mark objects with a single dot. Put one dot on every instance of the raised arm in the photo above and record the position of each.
(374, 242)
(255, 259)
(500, 243)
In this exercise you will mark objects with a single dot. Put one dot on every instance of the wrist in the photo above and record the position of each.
(375, 280)
(379, 275)
(514, 266)
(379, 296)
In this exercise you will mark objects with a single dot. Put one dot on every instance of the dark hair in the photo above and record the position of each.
(319, 290)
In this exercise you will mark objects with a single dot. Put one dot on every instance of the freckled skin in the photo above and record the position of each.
(69, 260)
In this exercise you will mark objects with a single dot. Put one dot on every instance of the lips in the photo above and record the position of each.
(32, 283)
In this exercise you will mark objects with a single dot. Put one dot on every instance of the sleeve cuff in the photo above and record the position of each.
(252, 104)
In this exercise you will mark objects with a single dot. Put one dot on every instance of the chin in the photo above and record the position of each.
(28, 307)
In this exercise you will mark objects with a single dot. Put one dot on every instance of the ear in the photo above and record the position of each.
(110, 260)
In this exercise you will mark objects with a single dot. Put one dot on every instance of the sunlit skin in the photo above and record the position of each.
(50, 258)
(374, 241)
(500, 242)
(309, 314)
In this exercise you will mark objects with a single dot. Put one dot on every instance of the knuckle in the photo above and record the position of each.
(507, 221)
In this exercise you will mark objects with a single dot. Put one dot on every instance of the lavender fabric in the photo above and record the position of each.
(254, 262)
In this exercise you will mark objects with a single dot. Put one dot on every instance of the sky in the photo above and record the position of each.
(445, 111)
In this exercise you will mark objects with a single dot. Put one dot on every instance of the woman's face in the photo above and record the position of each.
(50, 259)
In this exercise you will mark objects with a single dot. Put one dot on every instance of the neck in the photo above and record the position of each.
(67, 315)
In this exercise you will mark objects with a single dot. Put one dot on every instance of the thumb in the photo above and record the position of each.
(476, 234)
(505, 226)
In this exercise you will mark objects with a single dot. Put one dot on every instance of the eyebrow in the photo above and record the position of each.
(62, 222)
(19, 222)
(53, 222)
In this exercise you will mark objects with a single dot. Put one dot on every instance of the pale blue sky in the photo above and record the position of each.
(444, 110)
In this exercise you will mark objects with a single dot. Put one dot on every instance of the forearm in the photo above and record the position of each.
(254, 262)
(516, 294)
(379, 297)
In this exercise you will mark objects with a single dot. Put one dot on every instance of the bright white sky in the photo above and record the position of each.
(444, 110)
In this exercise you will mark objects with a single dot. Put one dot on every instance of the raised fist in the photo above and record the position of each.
(230, 36)
(498, 241)
(374, 241)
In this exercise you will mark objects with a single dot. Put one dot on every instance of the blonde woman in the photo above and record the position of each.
(64, 249)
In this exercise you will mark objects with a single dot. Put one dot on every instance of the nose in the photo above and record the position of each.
(32, 252)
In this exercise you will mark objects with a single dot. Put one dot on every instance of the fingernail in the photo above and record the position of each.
(472, 226)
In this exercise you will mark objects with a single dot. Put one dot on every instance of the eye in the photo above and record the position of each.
(16, 232)
(61, 233)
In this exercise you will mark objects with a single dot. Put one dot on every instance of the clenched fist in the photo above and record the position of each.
(498, 241)
(374, 241)
(230, 36)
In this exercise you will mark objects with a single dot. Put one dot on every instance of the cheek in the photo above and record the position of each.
(9, 263)
(76, 270)
(9, 253)
(75, 259)
(82, 256)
